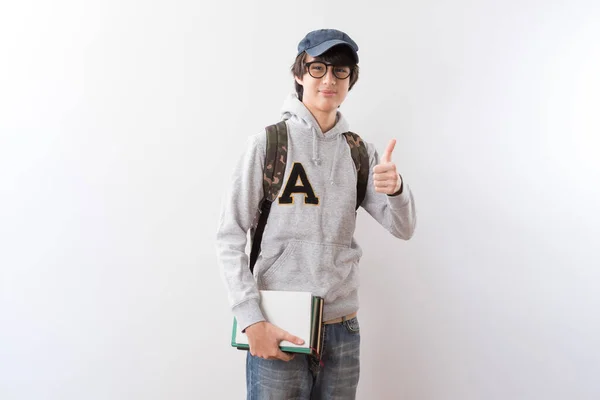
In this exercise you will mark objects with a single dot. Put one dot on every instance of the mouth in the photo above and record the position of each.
(327, 92)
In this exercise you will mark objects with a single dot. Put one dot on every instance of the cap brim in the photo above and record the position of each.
(323, 47)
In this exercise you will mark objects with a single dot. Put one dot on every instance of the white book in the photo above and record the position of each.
(299, 313)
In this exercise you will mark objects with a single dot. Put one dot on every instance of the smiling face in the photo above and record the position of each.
(324, 94)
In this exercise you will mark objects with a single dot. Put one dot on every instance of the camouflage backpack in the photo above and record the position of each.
(274, 171)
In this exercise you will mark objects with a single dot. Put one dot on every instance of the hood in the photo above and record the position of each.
(296, 112)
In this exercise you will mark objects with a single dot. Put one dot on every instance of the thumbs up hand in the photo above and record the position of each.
(385, 176)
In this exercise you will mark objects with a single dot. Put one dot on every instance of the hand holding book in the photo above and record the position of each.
(284, 312)
(264, 339)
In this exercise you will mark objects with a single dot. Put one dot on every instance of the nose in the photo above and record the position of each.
(329, 76)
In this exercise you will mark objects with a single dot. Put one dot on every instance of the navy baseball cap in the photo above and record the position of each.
(318, 42)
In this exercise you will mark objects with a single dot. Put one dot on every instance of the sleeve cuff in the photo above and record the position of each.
(400, 198)
(248, 313)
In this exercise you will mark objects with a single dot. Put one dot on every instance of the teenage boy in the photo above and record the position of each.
(307, 243)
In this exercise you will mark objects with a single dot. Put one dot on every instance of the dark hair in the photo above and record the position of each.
(337, 55)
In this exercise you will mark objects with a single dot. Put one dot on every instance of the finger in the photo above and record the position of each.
(284, 356)
(380, 168)
(387, 186)
(386, 176)
(291, 338)
(383, 168)
(387, 154)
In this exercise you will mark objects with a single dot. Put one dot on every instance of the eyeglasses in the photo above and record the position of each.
(318, 69)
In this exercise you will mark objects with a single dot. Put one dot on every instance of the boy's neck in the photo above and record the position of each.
(326, 120)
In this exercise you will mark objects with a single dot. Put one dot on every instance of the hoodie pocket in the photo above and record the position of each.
(316, 267)
(287, 251)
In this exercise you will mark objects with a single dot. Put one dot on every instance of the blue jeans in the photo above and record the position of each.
(304, 377)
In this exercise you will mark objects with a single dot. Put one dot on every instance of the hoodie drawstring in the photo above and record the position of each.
(315, 158)
(340, 140)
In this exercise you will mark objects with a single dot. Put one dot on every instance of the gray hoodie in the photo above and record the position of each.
(305, 247)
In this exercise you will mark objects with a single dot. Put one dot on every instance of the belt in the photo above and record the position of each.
(340, 319)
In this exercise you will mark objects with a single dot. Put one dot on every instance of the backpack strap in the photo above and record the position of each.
(275, 160)
(358, 151)
(274, 171)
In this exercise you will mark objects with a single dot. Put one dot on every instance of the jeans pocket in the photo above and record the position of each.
(352, 325)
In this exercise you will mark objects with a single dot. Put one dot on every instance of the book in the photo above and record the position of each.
(299, 313)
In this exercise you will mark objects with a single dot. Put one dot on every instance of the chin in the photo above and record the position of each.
(329, 105)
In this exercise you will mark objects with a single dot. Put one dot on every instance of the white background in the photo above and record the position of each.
(119, 124)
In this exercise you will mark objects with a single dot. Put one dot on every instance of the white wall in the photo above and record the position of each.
(119, 123)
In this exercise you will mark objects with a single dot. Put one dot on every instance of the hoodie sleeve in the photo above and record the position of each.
(395, 213)
(238, 211)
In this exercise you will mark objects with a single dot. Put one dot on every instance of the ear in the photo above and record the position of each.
(298, 80)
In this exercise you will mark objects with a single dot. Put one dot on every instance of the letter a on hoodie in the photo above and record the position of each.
(293, 186)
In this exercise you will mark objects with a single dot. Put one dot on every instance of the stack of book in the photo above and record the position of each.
(299, 313)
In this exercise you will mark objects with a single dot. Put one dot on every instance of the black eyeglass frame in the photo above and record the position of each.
(327, 65)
